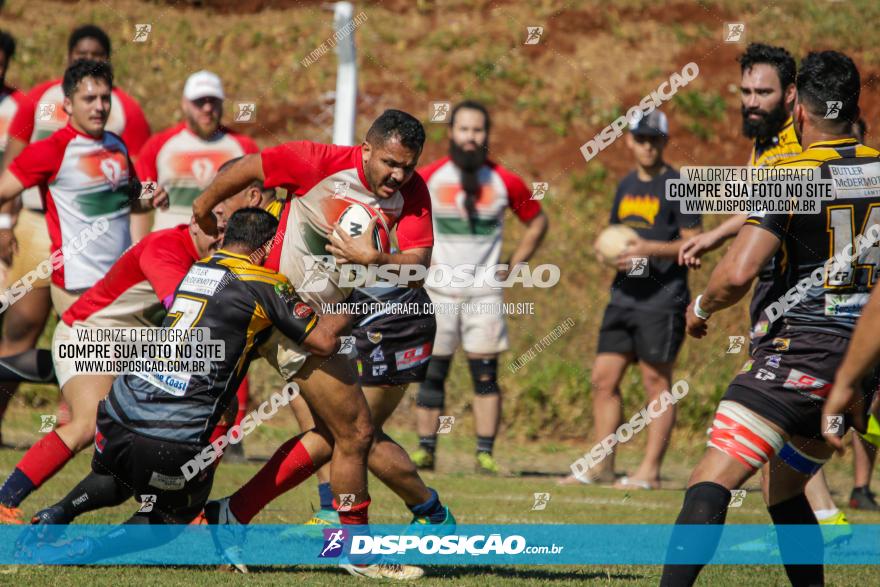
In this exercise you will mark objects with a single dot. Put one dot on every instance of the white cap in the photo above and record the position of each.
(203, 84)
(654, 124)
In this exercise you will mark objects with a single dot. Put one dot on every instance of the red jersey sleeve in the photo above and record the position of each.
(146, 161)
(247, 144)
(415, 228)
(293, 165)
(137, 129)
(165, 264)
(519, 197)
(38, 162)
(21, 126)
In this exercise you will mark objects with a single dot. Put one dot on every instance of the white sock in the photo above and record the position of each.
(825, 514)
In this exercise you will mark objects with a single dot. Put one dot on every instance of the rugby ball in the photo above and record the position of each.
(614, 240)
(355, 219)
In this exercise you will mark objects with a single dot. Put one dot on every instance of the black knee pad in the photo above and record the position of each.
(484, 373)
(432, 391)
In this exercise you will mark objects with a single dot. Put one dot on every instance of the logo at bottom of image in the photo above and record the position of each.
(336, 541)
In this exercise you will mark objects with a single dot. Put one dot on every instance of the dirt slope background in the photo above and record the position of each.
(594, 60)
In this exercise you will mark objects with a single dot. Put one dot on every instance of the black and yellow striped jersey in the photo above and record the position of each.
(811, 240)
(780, 147)
(238, 302)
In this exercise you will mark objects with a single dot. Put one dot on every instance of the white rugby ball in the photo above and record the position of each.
(355, 219)
(614, 240)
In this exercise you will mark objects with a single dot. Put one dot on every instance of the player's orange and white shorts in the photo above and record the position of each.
(469, 322)
(34, 247)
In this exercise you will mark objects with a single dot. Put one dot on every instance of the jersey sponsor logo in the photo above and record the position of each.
(800, 381)
(202, 280)
(747, 366)
(781, 344)
(172, 383)
(413, 357)
(203, 169)
(645, 207)
(845, 304)
(374, 337)
(302, 310)
(856, 181)
(765, 375)
(774, 360)
(167, 482)
(377, 355)
(380, 369)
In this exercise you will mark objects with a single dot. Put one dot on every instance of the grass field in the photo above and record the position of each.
(529, 468)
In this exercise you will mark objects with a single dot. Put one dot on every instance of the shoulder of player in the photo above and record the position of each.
(167, 243)
(36, 92)
(244, 270)
(506, 175)
(426, 171)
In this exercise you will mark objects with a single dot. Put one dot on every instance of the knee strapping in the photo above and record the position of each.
(432, 391)
(484, 373)
(740, 434)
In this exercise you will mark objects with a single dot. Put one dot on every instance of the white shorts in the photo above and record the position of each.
(478, 333)
(64, 368)
(283, 354)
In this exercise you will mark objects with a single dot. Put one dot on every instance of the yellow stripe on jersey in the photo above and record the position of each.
(259, 322)
(819, 153)
(784, 145)
(242, 269)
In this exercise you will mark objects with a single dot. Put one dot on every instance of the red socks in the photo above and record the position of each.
(356, 516)
(44, 459)
(288, 467)
(241, 395)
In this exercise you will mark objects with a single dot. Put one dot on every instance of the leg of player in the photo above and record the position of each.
(487, 408)
(864, 456)
(656, 378)
(429, 407)
(53, 451)
(393, 467)
(325, 515)
(726, 465)
(788, 505)
(23, 322)
(608, 370)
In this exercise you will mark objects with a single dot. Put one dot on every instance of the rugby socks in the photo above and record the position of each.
(326, 496)
(33, 365)
(93, 493)
(288, 467)
(241, 395)
(428, 444)
(485, 444)
(796, 510)
(37, 466)
(219, 430)
(704, 503)
(431, 509)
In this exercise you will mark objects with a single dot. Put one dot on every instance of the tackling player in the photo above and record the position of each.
(24, 241)
(380, 173)
(469, 196)
(773, 412)
(144, 436)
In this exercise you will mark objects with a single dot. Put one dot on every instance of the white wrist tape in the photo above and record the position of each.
(700, 313)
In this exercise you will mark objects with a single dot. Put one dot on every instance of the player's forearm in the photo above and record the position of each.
(722, 292)
(10, 188)
(864, 348)
(229, 183)
(662, 249)
(410, 257)
(730, 227)
(531, 240)
(13, 149)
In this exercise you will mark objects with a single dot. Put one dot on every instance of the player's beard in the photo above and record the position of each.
(767, 126)
(469, 163)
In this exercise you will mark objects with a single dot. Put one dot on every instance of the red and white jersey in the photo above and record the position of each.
(323, 179)
(42, 113)
(457, 241)
(185, 164)
(82, 179)
(10, 102)
(141, 282)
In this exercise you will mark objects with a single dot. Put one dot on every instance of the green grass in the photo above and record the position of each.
(529, 467)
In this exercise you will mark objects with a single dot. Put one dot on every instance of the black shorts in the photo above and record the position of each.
(151, 467)
(788, 378)
(394, 349)
(654, 337)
